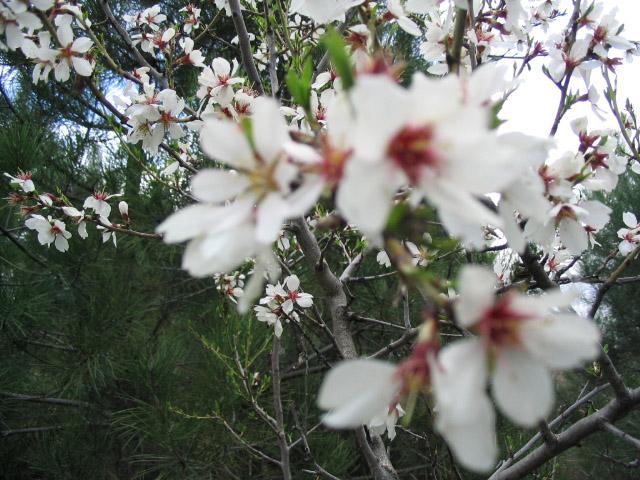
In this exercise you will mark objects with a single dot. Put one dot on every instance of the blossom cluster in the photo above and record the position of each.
(517, 341)
(51, 228)
(54, 48)
(280, 302)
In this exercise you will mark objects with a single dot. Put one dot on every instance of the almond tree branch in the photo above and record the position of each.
(570, 37)
(582, 399)
(127, 39)
(406, 338)
(609, 369)
(372, 448)
(368, 278)
(550, 438)
(620, 434)
(245, 45)
(454, 56)
(18, 431)
(246, 444)
(612, 411)
(277, 405)
(611, 95)
(48, 400)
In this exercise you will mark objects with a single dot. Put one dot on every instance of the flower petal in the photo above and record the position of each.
(215, 185)
(522, 387)
(224, 141)
(476, 288)
(562, 340)
(357, 390)
(474, 442)
(270, 131)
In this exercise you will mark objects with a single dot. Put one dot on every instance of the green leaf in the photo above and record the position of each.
(495, 110)
(335, 45)
(300, 85)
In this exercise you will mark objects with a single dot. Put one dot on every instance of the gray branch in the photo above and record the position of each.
(372, 448)
(245, 45)
(620, 434)
(49, 400)
(277, 405)
(572, 436)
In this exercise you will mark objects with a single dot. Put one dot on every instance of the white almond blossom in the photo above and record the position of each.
(217, 82)
(50, 231)
(152, 17)
(557, 261)
(107, 233)
(630, 236)
(193, 18)
(279, 304)
(606, 33)
(158, 40)
(23, 181)
(562, 62)
(191, 56)
(396, 13)
(78, 218)
(363, 391)
(245, 206)
(383, 259)
(521, 339)
(356, 391)
(231, 286)
(98, 203)
(72, 53)
(414, 139)
(574, 223)
(386, 421)
(15, 18)
(123, 208)
(434, 48)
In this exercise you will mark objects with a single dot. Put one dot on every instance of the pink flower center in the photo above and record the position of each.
(333, 161)
(412, 150)
(414, 372)
(500, 323)
(600, 34)
(566, 212)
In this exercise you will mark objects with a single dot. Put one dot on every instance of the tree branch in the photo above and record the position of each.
(620, 434)
(374, 452)
(277, 405)
(245, 45)
(572, 436)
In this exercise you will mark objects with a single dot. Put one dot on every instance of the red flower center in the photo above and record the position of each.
(500, 323)
(333, 161)
(412, 150)
(414, 372)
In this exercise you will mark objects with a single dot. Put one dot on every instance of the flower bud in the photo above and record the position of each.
(124, 211)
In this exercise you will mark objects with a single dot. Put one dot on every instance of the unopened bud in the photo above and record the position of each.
(124, 211)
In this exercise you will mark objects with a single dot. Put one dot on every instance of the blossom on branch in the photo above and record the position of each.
(279, 304)
(50, 231)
